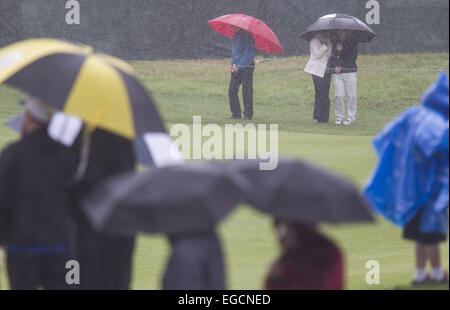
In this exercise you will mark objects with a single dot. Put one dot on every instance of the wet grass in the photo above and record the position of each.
(387, 84)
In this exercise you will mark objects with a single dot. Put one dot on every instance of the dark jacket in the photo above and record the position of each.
(36, 216)
(106, 259)
(346, 59)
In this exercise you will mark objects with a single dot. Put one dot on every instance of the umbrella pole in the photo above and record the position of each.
(86, 145)
(84, 154)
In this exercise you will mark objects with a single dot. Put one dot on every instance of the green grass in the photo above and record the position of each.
(283, 95)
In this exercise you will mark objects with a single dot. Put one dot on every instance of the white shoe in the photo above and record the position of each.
(347, 122)
(338, 122)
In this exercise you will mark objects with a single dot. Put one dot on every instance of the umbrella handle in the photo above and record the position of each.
(84, 155)
(86, 144)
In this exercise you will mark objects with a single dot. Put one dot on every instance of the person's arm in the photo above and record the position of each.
(354, 49)
(317, 49)
(332, 60)
(234, 50)
(335, 62)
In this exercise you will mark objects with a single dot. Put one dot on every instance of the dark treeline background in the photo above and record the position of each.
(169, 29)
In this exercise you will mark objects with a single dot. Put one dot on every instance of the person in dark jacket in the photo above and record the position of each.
(37, 225)
(196, 263)
(309, 261)
(105, 260)
(343, 62)
(242, 68)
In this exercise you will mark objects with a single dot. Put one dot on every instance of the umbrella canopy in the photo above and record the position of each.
(170, 200)
(265, 38)
(100, 89)
(361, 32)
(296, 191)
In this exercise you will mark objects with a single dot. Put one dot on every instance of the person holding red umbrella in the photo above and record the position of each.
(242, 68)
(247, 33)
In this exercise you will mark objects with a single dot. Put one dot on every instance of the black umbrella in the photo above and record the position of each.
(170, 200)
(297, 191)
(361, 32)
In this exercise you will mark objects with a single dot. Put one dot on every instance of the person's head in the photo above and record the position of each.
(235, 28)
(342, 35)
(436, 96)
(309, 261)
(324, 35)
(37, 115)
(291, 234)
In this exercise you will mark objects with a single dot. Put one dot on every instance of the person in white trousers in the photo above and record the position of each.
(343, 60)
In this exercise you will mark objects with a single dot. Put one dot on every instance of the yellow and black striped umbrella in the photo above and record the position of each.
(101, 90)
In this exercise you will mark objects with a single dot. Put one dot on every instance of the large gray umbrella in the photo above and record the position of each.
(297, 191)
(361, 32)
(172, 200)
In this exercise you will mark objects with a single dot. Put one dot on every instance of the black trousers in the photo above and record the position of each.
(243, 76)
(322, 97)
(412, 231)
(31, 272)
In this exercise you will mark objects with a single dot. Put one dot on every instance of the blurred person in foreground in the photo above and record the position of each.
(195, 263)
(242, 68)
(410, 183)
(37, 224)
(105, 260)
(320, 51)
(343, 62)
(308, 261)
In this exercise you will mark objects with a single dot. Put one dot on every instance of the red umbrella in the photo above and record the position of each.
(265, 39)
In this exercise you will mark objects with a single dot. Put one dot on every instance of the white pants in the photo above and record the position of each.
(345, 86)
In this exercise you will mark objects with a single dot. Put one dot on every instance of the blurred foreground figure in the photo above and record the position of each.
(196, 263)
(309, 261)
(105, 260)
(36, 218)
(410, 184)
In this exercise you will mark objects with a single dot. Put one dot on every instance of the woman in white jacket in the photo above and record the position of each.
(320, 51)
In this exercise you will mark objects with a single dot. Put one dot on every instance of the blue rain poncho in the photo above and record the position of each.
(412, 172)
